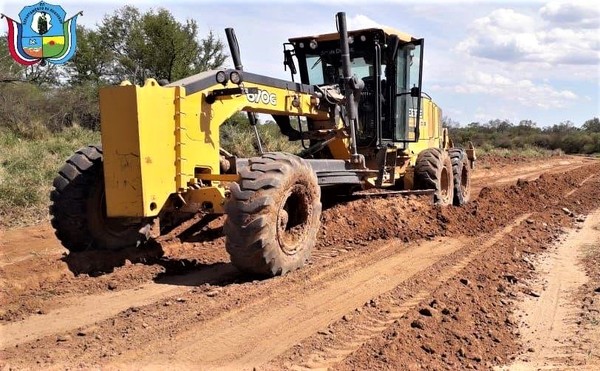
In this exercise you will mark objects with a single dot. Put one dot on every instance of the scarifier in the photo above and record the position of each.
(359, 111)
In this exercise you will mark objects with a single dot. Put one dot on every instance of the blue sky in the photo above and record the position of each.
(535, 60)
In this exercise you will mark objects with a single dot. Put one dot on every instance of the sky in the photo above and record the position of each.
(484, 60)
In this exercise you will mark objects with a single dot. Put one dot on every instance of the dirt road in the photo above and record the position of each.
(407, 286)
(551, 318)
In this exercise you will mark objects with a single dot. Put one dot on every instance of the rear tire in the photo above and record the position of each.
(461, 172)
(273, 215)
(433, 170)
(78, 210)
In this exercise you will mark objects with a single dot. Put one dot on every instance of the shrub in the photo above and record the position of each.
(34, 112)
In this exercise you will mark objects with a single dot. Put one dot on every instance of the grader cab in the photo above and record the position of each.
(359, 111)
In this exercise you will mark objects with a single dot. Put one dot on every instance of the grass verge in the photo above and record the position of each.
(27, 168)
(527, 152)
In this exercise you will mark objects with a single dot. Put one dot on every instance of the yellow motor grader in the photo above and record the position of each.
(358, 109)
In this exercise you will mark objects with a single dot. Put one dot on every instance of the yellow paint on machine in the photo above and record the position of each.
(156, 142)
(430, 132)
(138, 142)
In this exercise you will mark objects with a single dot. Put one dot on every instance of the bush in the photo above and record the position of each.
(564, 136)
(21, 106)
(34, 112)
(526, 152)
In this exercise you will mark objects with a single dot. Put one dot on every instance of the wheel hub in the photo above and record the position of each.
(292, 219)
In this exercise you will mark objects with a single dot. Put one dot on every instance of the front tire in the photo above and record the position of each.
(273, 215)
(78, 209)
(433, 170)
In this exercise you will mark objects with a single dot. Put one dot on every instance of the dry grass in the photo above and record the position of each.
(27, 168)
(241, 140)
(527, 152)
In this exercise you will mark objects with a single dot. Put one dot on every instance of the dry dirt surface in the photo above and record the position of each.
(394, 283)
(560, 317)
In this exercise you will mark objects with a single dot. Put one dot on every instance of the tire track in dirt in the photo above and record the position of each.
(339, 350)
(549, 327)
(327, 270)
(580, 184)
(434, 345)
(257, 333)
(86, 310)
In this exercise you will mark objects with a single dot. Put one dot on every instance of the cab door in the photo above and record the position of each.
(406, 111)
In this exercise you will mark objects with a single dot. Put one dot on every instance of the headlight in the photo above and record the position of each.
(313, 44)
(222, 77)
(235, 77)
(350, 39)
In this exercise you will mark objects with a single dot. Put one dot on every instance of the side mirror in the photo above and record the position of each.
(288, 60)
(415, 92)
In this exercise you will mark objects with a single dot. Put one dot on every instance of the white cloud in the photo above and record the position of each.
(561, 35)
(360, 21)
(523, 91)
(505, 19)
(568, 14)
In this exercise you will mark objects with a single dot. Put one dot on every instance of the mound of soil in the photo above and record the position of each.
(412, 218)
(467, 322)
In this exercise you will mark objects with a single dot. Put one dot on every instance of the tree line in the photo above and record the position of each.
(505, 134)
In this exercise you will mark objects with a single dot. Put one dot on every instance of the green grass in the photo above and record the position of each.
(27, 168)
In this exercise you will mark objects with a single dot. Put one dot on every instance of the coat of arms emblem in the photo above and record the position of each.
(43, 36)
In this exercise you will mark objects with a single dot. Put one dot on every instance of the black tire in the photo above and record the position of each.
(461, 172)
(78, 209)
(433, 170)
(273, 215)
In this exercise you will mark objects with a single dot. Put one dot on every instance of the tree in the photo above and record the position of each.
(592, 125)
(525, 127)
(447, 122)
(499, 125)
(171, 50)
(10, 70)
(131, 45)
(211, 54)
(527, 124)
(563, 127)
(92, 61)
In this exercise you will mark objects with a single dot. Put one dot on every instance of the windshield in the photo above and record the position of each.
(320, 72)
(315, 69)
